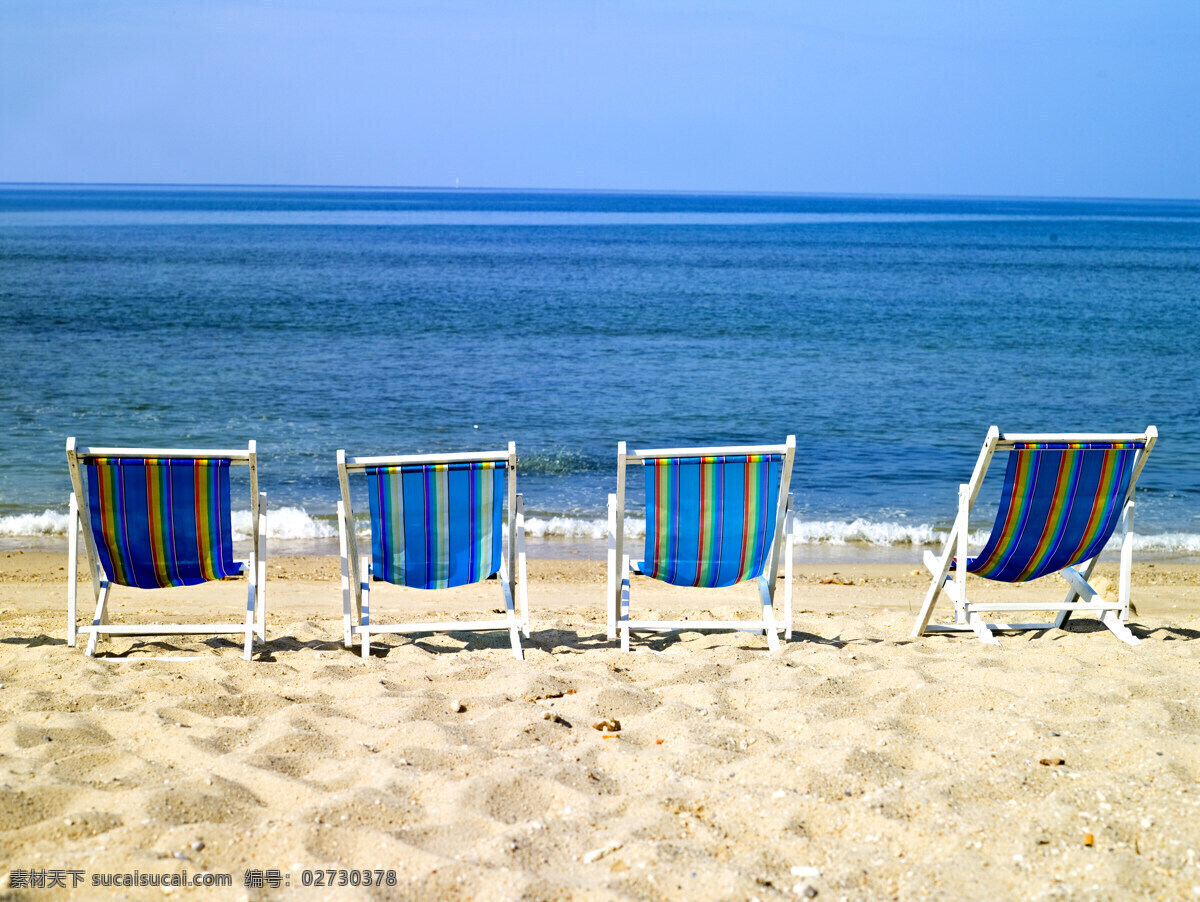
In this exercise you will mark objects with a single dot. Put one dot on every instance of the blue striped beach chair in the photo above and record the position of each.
(437, 521)
(715, 517)
(1064, 497)
(155, 518)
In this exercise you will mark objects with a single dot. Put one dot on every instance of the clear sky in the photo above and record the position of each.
(1009, 97)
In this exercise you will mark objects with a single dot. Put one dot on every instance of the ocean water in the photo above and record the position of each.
(887, 334)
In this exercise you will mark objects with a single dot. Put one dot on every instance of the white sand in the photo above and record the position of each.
(856, 761)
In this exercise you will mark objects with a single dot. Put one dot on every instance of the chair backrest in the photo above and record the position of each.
(434, 526)
(1060, 504)
(714, 516)
(436, 521)
(710, 521)
(160, 518)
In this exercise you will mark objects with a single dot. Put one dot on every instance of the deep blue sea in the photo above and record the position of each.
(886, 333)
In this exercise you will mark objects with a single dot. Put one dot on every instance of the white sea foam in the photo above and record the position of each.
(808, 532)
(47, 523)
(860, 531)
(294, 523)
(870, 532)
(284, 523)
(1165, 542)
(578, 528)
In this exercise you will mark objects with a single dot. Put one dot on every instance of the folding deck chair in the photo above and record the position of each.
(436, 522)
(157, 518)
(715, 517)
(1063, 498)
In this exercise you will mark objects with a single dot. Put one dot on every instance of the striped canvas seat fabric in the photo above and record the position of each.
(710, 521)
(161, 522)
(434, 526)
(1060, 505)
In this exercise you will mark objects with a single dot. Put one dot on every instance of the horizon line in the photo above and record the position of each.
(448, 189)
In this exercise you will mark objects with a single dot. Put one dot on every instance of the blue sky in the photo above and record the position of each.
(1092, 98)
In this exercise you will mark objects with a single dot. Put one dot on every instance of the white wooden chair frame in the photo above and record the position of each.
(356, 571)
(1081, 596)
(620, 567)
(80, 521)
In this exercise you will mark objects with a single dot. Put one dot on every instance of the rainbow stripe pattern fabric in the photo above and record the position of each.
(710, 521)
(434, 526)
(160, 522)
(1060, 505)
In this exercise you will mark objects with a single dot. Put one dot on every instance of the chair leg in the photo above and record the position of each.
(365, 618)
(251, 603)
(624, 577)
(347, 577)
(522, 574)
(72, 567)
(1072, 593)
(960, 572)
(100, 618)
(514, 625)
(612, 585)
(1112, 619)
(260, 603)
(981, 630)
(522, 589)
(787, 571)
(939, 569)
(1124, 579)
(514, 637)
(770, 627)
(927, 606)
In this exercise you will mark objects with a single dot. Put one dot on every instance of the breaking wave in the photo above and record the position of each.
(286, 523)
(282, 523)
(47, 523)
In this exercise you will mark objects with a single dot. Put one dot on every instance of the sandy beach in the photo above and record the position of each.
(856, 763)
